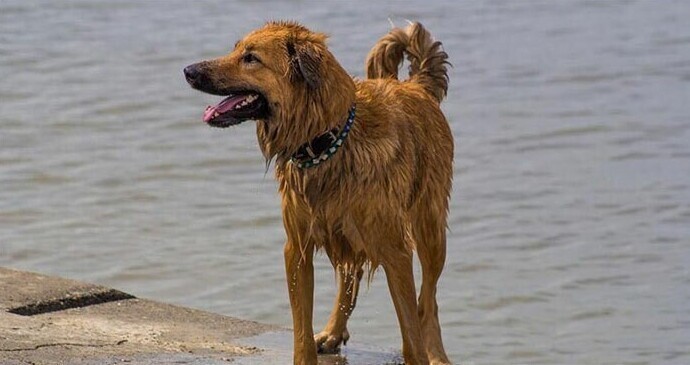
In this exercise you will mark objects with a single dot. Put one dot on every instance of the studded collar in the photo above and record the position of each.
(323, 146)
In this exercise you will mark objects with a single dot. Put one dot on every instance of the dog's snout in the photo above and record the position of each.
(203, 76)
(192, 73)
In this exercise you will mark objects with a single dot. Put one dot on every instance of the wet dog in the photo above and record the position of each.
(364, 168)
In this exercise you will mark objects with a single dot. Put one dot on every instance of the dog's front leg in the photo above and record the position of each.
(299, 268)
(335, 333)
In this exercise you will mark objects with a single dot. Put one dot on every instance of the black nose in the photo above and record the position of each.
(191, 73)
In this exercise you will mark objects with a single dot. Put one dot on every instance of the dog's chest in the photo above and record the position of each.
(326, 207)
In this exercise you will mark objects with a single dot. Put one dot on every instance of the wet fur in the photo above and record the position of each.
(383, 195)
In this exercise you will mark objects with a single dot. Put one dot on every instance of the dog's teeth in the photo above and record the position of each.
(215, 114)
(250, 98)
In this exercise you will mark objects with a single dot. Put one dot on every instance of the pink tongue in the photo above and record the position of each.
(224, 106)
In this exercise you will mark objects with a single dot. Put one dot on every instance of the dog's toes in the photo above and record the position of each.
(329, 343)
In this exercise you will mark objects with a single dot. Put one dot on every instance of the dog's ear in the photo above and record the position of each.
(305, 60)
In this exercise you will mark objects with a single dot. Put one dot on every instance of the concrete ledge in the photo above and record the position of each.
(49, 320)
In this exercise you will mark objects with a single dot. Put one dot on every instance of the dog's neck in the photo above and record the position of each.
(307, 114)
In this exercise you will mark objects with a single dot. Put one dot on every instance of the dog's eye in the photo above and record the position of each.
(249, 58)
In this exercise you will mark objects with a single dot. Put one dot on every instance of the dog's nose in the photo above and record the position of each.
(191, 73)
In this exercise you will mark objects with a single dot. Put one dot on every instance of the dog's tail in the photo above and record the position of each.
(427, 59)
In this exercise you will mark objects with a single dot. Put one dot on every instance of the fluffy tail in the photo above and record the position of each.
(427, 59)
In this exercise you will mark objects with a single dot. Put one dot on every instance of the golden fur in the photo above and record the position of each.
(382, 195)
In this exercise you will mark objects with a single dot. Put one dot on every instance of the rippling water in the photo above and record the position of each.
(570, 219)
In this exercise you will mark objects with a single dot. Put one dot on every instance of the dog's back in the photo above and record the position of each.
(416, 124)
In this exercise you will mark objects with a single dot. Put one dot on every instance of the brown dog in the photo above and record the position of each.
(364, 168)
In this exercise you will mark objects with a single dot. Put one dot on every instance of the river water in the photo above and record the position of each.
(569, 237)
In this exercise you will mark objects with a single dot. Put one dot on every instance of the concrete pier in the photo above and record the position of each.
(50, 320)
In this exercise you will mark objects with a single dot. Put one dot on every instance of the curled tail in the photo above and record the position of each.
(427, 59)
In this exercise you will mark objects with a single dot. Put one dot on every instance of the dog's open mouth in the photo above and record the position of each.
(236, 108)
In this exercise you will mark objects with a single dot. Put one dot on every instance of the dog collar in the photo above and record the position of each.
(323, 146)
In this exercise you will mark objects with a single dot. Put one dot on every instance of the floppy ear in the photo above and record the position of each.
(304, 63)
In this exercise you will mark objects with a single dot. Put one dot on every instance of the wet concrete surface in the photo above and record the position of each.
(49, 320)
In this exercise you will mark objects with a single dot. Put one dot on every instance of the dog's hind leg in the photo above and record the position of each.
(431, 249)
(398, 268)
(335, 332)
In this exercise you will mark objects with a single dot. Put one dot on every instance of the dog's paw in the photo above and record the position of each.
(329, 343)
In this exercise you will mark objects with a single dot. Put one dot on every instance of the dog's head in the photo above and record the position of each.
(281, 75)
(267, 75)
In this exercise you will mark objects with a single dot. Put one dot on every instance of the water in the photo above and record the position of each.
(570, 215)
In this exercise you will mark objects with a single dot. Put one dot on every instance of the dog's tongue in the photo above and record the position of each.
(224, 106)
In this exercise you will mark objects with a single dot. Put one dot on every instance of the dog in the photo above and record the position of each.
(364, 168)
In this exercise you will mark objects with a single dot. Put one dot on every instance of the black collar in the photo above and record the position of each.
(323, 146)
